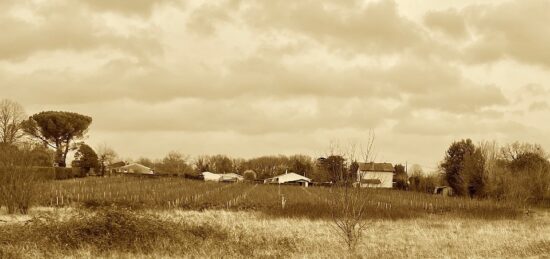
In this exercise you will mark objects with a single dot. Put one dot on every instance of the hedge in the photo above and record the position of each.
(55, 173)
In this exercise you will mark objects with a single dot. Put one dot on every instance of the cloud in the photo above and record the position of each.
(133, 7)
(283, 75)
(458, 125)
(450, 22)
(65, 26)
(344, 26)
(512, 30)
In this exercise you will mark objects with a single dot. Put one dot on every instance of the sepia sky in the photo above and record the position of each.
(251, 78)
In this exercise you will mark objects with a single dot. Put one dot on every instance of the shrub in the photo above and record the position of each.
(18, 180)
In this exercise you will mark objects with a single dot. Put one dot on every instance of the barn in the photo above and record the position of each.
(375, 175)
(289, 178)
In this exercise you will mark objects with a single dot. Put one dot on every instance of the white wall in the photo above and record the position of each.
(386, 179)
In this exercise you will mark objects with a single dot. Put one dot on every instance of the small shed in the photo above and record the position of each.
(289, 178)
(375, 175)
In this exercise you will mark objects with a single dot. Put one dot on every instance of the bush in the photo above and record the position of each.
(527, 185)
(18, 179)
(62, 173)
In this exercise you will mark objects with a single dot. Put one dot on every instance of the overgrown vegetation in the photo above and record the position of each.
(18, 179)
(517, 171)
(111, 229)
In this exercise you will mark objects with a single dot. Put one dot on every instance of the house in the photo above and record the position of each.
(375, 175)
(114, 167)
(289, 178)
(231, 177)
(134, 168)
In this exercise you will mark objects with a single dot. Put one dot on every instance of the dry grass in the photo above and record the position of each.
(252, 234)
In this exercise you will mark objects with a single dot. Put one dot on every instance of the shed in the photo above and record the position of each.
(289, 178)
(375, 175)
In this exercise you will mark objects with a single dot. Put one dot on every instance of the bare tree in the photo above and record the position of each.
(349, 212)
(512, 151)
(106, 156)
(367, 149)
(11, 116)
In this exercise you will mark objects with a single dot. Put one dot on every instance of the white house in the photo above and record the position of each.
(375, 175)
(135, 168)
(289, 178)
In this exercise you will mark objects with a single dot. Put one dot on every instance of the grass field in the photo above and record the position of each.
(173, 218)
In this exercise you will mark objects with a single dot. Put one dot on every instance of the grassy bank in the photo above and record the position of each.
(117, 233)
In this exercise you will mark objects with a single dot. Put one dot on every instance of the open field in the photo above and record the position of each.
(218, 233)
(282, 201)
(130, 217)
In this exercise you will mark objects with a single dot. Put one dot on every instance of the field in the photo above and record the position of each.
(284, 201)
(130, 217)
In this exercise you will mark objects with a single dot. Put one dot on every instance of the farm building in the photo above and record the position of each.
(134, 168)
(375, 175)
(231, 177)
(289, 178)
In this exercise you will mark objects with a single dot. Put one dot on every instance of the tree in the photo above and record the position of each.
(86, 158)
(401, 177)
(301, 164)
(202, 164)
(106, 156)
(528, 161)
(453, 164)
(334, 166)
(57, 130)
(512, 151)
(11, 116)
(146, 162)
(473, 171)
(174, 163)
(221, 164)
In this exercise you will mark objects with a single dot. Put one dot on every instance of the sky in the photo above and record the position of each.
(253, 78)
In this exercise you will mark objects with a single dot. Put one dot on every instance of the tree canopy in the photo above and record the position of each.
(86, 158)
(57, 129)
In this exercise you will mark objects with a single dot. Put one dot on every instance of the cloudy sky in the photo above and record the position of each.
(250, 78)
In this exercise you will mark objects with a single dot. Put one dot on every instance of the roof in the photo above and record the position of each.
(291, 177)
(137, 168)
(376, 167)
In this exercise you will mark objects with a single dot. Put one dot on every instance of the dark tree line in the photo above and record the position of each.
(514, 171)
